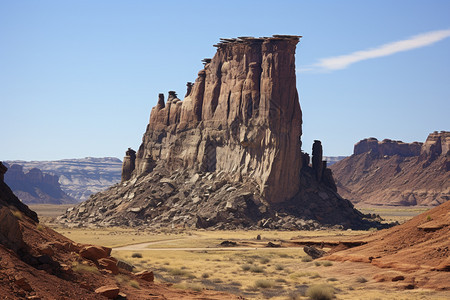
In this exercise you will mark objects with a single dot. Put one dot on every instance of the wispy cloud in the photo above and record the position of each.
(343, 61)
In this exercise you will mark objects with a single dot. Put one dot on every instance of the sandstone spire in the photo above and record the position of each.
(229, 154)
(242, 112)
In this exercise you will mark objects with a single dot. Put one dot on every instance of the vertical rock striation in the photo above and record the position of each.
(228, 155)
(242, 115)
(397, 173)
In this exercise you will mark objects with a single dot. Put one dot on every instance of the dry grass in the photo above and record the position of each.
(82, 268)
(284, 274)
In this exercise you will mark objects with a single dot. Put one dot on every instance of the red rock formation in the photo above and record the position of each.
(227, 156)
(387, 147)
(243, 112)
(396, 173)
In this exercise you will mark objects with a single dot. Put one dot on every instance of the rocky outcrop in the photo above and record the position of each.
(242, 116)
(8, 199)
(387, 147)
(39, 263)
(397, 173)
(36, 187)
(228, 155)
(79, 178)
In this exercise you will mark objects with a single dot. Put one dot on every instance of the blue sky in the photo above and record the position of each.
(79, 78)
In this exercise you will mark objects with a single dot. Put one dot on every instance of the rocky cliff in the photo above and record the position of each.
(36, 187)
(228, 155)
(79, 178)
(396, 173)
(39, 263)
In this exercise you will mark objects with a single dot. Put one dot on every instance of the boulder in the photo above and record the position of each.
(145, 275)
(109, 263)
(108, 291)
(94, 253)
(313, 252)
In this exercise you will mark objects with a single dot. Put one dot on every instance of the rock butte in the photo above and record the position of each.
(228, 155)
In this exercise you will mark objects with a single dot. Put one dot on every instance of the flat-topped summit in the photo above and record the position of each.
(228, 155)
(397, 173)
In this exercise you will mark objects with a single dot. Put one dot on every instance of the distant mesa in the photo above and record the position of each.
(397, 173)
(229, 155)
(79, 178)
(36, 187)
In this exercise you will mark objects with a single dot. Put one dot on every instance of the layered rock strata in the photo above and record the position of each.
(36, 187)
(397, 173)
(228, 155)
(80, 177)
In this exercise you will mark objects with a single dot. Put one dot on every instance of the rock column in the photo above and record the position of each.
(128, 165)
(317, 163)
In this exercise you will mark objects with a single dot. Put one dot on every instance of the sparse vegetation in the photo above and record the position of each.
(256, 269)
(279, 267)
(17, 214)
(246, 267)
(264, 260)
(307, 258)
(264, 284)
(361, 279)
(136, 255)
(320, 292)
(40, 227)
(327, 263)
(429, 218)
(205, 275)
(82, 268)
(135, 284)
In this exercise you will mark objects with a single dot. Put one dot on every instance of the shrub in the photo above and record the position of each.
(320, 292)
(361, 279)
(136, 255)
(429, 218)
(17, 214)
(205, 275)
(332, 279)
(246, 267)
(256, 269)
(307, 258)
(40, 227)
(82, 268)
(264, 260)
(134, 284)
(279, 267)
(317, 263)
(178, 272)
(264, 284)
(327, 263)
(283, 255)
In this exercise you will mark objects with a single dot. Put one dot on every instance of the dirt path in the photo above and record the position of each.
(144, 246)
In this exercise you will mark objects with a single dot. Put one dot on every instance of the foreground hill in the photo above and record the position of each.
(38, 263)
(418, 251)
(36, 187)
(229, 155)
(79, 178)
(396, 173)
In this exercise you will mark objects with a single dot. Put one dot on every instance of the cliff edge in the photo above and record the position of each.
(396, 173)
(229, 155)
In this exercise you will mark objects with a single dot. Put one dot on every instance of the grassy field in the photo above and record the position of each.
(254, 272)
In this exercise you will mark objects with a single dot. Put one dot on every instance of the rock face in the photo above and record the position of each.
(242, 116)
(39, 263)
(35, 187)
(417, 250)
(79, 178)
(397, 173)
(228, 155)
